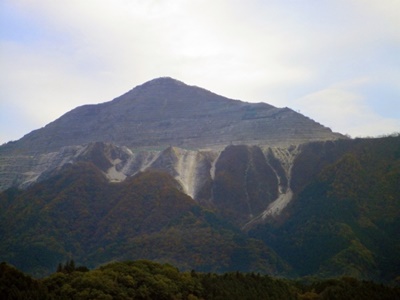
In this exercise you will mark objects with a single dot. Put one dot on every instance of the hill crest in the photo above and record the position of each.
(166, 112)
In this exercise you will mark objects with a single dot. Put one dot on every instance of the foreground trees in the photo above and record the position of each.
(148, 280)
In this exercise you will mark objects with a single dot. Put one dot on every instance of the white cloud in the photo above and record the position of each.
(346, 111)
(78, 52)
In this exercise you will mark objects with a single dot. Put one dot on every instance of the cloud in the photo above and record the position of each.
(63, 55)
(346, 111)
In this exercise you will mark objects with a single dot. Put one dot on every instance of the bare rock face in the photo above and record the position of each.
(244, 183)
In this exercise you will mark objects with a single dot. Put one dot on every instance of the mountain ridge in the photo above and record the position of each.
(154, 116)
(164, 112)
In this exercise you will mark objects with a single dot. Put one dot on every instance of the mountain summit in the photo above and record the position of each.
(166, 112)
(177, 174)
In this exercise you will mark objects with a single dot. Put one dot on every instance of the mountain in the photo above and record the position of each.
(150, 118)
(165, 112)
(336, 214)
(177, 174)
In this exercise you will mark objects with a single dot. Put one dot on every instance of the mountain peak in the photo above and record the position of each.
(161, 84)
(165, 111)
(172, 89)
(163, 81)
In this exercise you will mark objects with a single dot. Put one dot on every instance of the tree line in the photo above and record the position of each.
(149, 280)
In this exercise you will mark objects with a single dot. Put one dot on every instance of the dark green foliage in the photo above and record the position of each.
(244, 183)
(70, 267)
(47, 222)
(16, 285)
(345, 220)
(314, 157)
(193, 242)
(148, 280)
(345, 288)
(79, 214)
(246, 286)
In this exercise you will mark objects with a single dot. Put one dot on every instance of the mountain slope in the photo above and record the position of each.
(165, 112)
(344, 219)
(78, 213)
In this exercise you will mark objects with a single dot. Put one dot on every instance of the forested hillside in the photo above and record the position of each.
(346, 219)
(343, 218)
(79, 213)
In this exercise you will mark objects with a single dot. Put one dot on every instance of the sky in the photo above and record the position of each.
(335, 61)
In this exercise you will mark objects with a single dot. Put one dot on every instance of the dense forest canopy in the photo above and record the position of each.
(148, 280)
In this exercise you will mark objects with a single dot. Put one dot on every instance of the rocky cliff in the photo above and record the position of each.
(246, 184)
(205, 175)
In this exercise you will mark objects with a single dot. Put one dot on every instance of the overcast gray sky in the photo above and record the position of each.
(336, 61)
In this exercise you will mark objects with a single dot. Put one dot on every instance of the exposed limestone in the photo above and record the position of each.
(286, 158)
(192, 169)
(113, 174)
